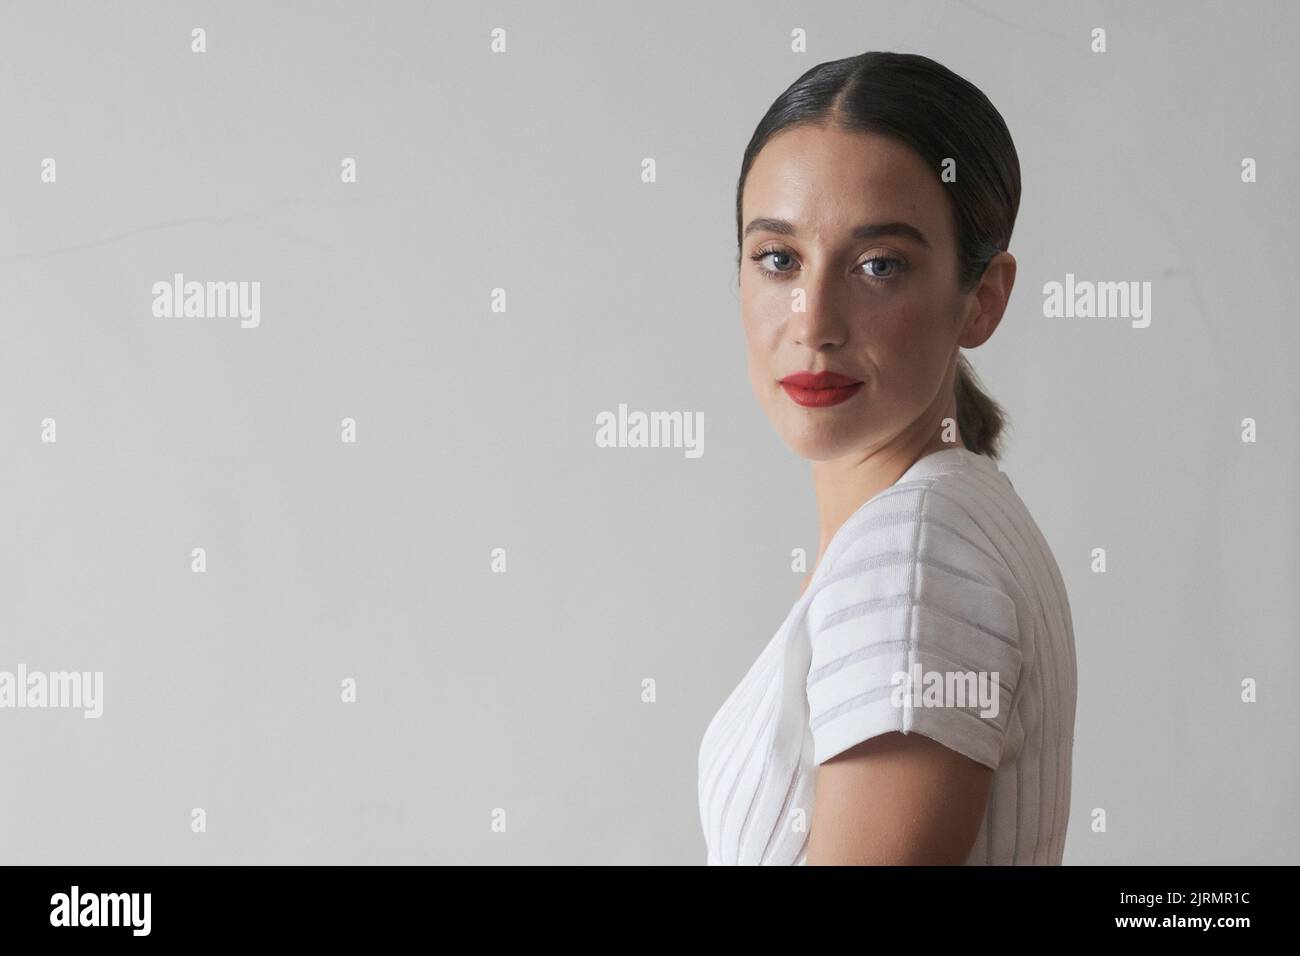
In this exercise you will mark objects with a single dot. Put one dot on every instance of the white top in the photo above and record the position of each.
(945, 571)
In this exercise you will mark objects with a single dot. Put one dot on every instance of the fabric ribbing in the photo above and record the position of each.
(943, 572)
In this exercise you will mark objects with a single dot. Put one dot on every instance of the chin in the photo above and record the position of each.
(816, 444)
(819, 434)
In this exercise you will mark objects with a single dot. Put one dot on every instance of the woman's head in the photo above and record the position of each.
(875, 205)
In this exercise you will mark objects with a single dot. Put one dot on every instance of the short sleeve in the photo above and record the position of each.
(914, 629)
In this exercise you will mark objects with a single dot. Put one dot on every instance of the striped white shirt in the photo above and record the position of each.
(944, 572)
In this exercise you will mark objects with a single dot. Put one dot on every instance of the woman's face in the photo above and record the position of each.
(848, 287)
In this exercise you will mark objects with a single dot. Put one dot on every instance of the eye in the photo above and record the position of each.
(893, 266)
(776, 254)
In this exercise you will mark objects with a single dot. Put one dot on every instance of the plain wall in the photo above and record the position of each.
(521, 171)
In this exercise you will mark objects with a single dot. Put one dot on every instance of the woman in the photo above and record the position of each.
(917, 704)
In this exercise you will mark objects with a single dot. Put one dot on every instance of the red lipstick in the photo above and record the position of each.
(820, 389)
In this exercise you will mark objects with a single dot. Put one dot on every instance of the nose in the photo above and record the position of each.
(823, 324)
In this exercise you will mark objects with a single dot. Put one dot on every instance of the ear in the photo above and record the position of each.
(988, 301)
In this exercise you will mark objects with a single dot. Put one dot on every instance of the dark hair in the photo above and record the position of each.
(941, 116)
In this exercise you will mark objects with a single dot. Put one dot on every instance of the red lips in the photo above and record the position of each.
(819, 380)
(820, 389)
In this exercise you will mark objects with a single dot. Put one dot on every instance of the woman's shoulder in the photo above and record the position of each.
(947, 511)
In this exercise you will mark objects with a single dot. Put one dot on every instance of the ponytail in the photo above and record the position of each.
(979, 418)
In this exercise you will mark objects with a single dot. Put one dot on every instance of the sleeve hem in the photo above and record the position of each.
(882, 717)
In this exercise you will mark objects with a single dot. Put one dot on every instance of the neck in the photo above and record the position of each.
(843, 485)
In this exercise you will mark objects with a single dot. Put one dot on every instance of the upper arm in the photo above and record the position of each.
(897, 799)
(916, 655)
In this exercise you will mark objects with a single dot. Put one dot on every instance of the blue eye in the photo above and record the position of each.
(892, 265)
(895, 267)
(763, 254)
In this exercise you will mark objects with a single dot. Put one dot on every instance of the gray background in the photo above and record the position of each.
(476, 430)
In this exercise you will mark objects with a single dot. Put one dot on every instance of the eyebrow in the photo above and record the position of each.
(868, 230)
